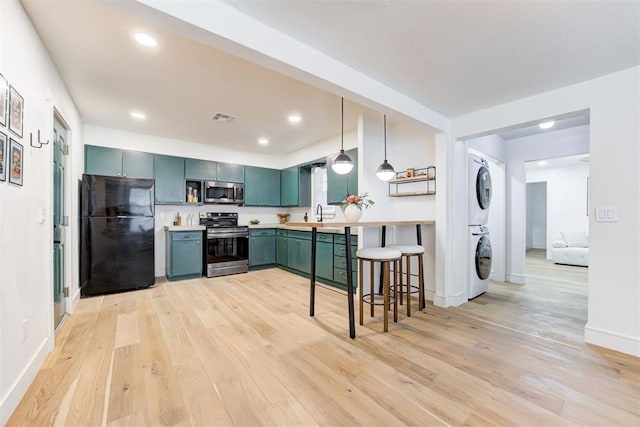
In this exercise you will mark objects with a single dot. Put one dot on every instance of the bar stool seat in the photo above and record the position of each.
(409, 251)
(384, 256)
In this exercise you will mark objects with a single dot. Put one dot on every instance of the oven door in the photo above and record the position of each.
(227, 252)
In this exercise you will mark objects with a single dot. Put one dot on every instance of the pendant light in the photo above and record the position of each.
(385, 171)
(342, 164)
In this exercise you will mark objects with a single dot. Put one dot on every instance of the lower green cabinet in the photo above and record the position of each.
(324, 256)
(262, 248)
(281, 247)
(184, 254)
(299, 251)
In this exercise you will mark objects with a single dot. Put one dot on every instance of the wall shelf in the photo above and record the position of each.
(416, 177)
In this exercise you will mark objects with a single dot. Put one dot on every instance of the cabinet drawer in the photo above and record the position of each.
(340, 239)
(282, 232)
(324, 237)
(341, 262)
(341, 250)
(186, 235)
(340, 276)
(302, 235)
(262, 232)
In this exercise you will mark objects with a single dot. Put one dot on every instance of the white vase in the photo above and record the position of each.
(352, 213)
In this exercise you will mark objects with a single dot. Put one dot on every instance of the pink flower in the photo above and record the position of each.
(351, 199)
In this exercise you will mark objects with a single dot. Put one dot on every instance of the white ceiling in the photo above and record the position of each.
(453, 57)
(557, 162)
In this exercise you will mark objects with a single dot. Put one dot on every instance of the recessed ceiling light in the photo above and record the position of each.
(294, 118)
(542, 163)
(138, 115)
(145, 39)
(547, 125)
(263, 141)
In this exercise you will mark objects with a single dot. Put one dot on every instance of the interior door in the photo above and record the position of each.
(59, 193)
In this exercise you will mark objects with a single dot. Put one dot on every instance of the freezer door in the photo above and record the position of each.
(116, 254)
(116, 196)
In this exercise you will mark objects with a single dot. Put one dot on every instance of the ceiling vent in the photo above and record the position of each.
(223, 118)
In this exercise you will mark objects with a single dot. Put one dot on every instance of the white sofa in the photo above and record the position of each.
(571, 249)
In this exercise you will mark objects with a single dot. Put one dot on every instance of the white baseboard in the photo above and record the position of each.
(518, 279)
(449, 301)
(611, 340)
(17, 390)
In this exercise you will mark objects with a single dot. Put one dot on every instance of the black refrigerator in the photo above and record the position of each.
(116, 234)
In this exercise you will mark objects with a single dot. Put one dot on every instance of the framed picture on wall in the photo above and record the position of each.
(16, 111)
(3, 156)
(16, 160)
(4, 100)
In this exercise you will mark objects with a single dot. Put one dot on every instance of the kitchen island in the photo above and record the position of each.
(347, 233)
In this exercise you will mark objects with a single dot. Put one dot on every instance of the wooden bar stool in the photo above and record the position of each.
(407, 252)
(384, 256)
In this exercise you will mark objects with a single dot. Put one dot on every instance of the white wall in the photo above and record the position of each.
(497, 220)
(536, 214)
(566, 201)
(26, 290)
(613, 102)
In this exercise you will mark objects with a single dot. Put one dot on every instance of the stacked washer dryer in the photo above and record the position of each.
(479, 243)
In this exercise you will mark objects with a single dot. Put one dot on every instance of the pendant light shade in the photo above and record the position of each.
(342, 164)
(385, 171)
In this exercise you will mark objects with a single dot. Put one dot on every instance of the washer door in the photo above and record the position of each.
(483, 258)
(483, 187)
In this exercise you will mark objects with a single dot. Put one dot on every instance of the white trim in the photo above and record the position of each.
(17, 390)
(449, 301)
(622, 343)
(519, 279)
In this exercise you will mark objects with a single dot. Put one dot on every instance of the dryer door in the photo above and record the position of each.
(483, 258)
(483, 187)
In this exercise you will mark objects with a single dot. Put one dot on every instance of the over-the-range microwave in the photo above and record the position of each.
(231, 193)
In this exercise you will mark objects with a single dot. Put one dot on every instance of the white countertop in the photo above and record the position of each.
(184, 227)
(327, 228)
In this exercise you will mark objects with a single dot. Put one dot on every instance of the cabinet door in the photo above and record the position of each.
(186, 257)
(262, 187)
(289, 186)
(262, 250)
(339, 186)
(281, 250)
(200, 169)
(324, 260)
(136, 164)
(168, 172)
(103, 161)
(228, 172)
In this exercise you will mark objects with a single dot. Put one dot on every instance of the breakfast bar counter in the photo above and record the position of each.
(347, 232)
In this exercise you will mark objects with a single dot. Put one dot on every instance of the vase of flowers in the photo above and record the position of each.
(353, 204)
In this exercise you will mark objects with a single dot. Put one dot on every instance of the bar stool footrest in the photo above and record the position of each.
(377, 299)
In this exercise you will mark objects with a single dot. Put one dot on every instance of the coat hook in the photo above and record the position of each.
(39, 142)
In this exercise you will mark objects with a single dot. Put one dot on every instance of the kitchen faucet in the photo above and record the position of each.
(319, 208)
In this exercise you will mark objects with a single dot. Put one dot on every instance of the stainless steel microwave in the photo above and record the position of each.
(230, 193)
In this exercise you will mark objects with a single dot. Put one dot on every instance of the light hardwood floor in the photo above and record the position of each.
(242, 350)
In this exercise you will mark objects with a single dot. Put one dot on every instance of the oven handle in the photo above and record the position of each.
(225, 235)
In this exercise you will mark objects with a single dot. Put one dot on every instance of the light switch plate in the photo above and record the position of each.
(606, 214)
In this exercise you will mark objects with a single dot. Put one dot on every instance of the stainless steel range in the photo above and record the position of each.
(227, 248)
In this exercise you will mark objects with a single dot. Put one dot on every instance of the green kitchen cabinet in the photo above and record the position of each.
(203, 170)
(229, 172)
(340, 260)
(261, 186)
(299, 251)
(169, 175)
(262, 248)
(281, 247)
(117, 162)
(339, 186)
(324, 256)
(295, 186)
(184, 254)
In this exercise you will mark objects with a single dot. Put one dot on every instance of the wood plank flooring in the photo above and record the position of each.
(242, 350)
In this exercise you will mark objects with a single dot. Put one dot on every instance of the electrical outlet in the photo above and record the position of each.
(25, 330)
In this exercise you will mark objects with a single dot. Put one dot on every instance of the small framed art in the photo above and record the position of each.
(4, 100)
(3, 156)
(16, 111)
(16, 160)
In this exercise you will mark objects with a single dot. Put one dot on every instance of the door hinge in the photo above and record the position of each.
(65, 149)
(66, 292)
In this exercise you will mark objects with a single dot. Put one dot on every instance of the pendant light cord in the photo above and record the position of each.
(385, 138)
(342, 126)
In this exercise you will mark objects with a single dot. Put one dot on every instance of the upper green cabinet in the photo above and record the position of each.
(169, 174)
(228, 172)
(261, 186)
(295, 186)
(339, 186)
(117, 162)
(200, 169)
